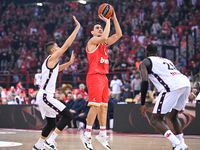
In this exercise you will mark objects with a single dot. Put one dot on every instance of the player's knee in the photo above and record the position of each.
(154, 121)
(66, 114)
(52, 125)
(172, 117)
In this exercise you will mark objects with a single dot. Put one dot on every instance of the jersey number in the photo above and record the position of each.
(170, 66)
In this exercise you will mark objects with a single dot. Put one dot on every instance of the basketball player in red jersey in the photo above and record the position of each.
(97, 82)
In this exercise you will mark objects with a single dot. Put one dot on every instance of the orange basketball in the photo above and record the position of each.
(106, 10)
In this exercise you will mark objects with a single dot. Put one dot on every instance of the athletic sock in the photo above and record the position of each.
(180, 137)
(103, 131)
(52, 137)
(171, 137)
(39, 142)
(88, 131)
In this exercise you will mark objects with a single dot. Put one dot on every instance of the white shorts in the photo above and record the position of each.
(49, 106)
(167, 101)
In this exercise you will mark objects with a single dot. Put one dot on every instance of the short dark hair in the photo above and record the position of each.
(92, 27)
(151, 48)
(48, 47)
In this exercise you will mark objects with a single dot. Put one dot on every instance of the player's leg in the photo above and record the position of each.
(94, 91)
(66, 118)
(86, 137)
(102, 116)
(173, 115)
(164, 104)
(51, 123)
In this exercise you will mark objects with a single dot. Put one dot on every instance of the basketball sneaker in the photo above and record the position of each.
(103, 141)
(181, 146)
(35, 148)
(50, 145)
(86, 142)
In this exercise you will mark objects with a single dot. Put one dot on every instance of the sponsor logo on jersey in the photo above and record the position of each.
(104, 61)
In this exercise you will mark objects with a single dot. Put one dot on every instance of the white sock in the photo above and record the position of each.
(171, 137)
(52, 137)
(39, 142)
(180, 137)
(88, 131)
(103, 131)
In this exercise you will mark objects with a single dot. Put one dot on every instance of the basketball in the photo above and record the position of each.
(106, 10)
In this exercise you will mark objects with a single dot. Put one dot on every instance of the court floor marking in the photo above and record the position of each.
(111, 132)
(9, 144)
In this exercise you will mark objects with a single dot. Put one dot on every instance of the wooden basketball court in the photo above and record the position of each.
(69, 140)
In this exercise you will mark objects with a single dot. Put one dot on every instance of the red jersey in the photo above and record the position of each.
(98, 60)
(165, 26)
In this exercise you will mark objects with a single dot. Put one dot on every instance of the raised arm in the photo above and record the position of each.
(63, 66)
(118, 33)
(95, 40)
(67, 43)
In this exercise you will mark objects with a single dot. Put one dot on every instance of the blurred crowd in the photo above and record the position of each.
(25, 28)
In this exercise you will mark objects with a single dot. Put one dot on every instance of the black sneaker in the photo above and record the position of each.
(35, 148)
(50, 145)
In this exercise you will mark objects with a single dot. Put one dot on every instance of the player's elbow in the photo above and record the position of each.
(104, 39)
(119, 35)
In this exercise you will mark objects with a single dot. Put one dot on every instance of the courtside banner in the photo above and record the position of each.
(127, 118)
(21, 116)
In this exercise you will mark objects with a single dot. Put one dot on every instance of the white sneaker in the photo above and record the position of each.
(50, 145)
(41, 148)
(181, 146)
(103, 141)
(86, 142)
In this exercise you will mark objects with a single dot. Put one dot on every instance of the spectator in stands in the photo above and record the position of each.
(156, 27)
(115, 86)
(81, 118)
(137, 99)
(19, 87)
(19, 99)
(123, 68)
(12, 91)
(126, 90)
(137, 63)
(69, 104)
(193, 95)
(197, 86)
(70, 101)
(9, 98)
(166, 27)
(180, 28)
(77, 107)
(110, 113)
(82, 90)
(179, 66)
(136, 85)
(194, 72)
(180, 59)
(37, 79)
(13, 102)
(3, 95)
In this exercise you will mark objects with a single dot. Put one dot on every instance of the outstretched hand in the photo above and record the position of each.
(113, 14)
(104, 18)
(76, 21)
(143, 110)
